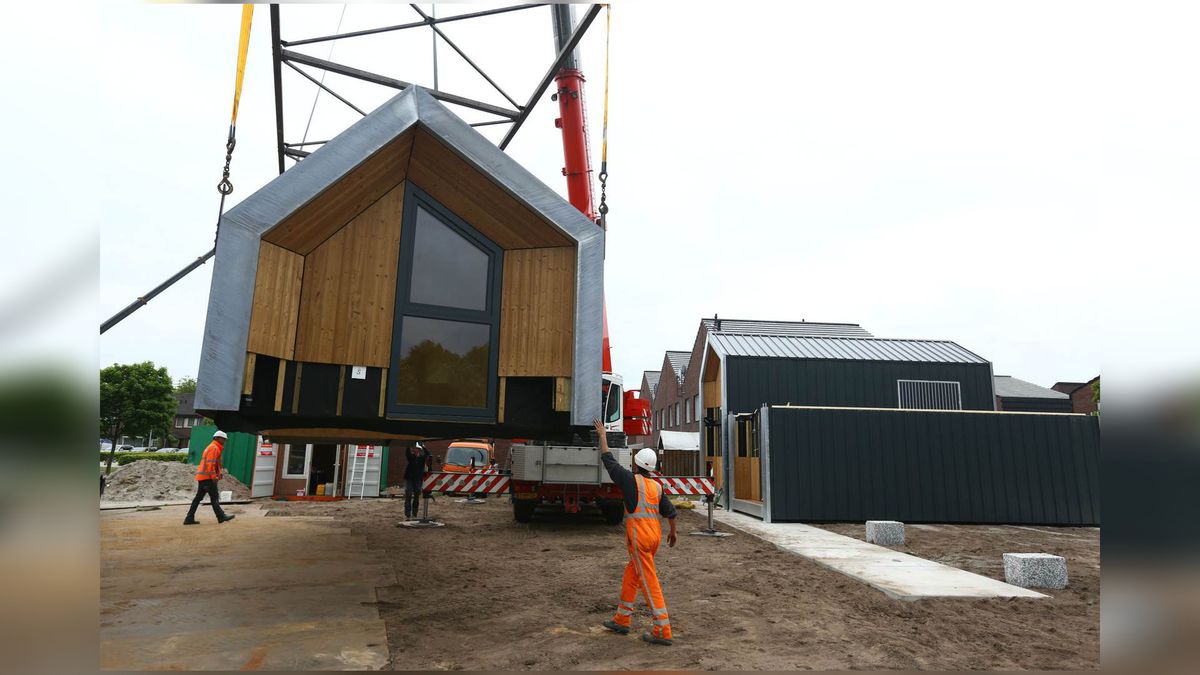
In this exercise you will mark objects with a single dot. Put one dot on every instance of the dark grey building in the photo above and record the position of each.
(855, 464)
(1015, 395)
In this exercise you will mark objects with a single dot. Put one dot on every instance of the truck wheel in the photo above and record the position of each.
(523, 510)
(613, 511)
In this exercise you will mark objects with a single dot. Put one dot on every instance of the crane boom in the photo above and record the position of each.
(572, 121)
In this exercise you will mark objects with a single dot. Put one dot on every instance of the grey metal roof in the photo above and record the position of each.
(651, 378)
(809, 328)
(851, 349)
(227, 326)
(679, 362)
(1010, 387)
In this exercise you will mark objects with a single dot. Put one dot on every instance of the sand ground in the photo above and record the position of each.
(485, 592)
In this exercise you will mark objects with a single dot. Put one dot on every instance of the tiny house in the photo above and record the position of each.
(406, 280)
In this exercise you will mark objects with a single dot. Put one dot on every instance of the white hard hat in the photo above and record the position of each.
(646, 458)
(220, 434)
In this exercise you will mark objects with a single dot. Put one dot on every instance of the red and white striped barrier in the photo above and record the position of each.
(491, 481)
(484, 481)
(686, 485)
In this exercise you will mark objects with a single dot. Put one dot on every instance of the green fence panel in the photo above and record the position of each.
(238, 457)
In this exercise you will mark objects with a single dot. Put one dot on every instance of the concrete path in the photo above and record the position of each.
(290, 593)
(899, 575)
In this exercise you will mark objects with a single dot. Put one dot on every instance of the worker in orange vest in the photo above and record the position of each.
(645, 503)
(207, 475)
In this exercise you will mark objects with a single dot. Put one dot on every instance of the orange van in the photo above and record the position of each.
(461, 455)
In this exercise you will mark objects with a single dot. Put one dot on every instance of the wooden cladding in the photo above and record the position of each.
(336, 205)
(537, 314)
(712, 380)
(461, 188)
(276, 301)
(349, 293)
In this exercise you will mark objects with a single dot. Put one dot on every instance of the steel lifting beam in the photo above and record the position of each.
(564, 54)
(416, 24)
(464, 56)
(392, 82)
(320, 84)
(276, 53)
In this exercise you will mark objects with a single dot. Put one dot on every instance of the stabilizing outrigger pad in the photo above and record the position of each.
(424, 520)
(711, 531)
(420, 523)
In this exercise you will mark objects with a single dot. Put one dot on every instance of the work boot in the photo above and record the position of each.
(226, 519)
(616, 627)
(655, 640)
(191, 521)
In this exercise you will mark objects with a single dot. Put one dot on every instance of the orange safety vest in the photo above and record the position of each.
(642, 523)
(210, 463)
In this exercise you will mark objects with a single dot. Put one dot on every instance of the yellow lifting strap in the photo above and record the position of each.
(604, 134)
(243, 48)
(225, 186)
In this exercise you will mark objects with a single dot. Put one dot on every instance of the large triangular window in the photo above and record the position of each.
(446, 330)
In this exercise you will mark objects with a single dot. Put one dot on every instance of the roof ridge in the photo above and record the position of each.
(833, 337)
(801, 322)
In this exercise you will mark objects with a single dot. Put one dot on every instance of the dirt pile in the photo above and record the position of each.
(147, 480)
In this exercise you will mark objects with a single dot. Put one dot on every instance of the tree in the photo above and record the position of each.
(135, 399)
(1096, 394)
(186, 385)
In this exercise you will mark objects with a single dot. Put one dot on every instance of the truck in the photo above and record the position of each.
(573, 475)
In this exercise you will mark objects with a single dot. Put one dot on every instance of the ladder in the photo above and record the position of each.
(359, 458)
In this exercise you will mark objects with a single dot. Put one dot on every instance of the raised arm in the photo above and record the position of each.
(602, 433)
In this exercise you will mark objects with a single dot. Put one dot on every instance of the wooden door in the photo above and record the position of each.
(747, 464)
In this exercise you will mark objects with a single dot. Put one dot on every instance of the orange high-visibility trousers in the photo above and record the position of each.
(642, 537)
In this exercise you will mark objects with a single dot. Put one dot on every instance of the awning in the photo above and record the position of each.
(679, 440)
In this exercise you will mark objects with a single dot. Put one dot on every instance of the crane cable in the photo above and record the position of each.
(604, 135)
(225, 187)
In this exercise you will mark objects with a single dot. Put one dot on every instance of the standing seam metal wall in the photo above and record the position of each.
(753, 381)
(940, 467)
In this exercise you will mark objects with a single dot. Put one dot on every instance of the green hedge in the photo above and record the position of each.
(123, 458)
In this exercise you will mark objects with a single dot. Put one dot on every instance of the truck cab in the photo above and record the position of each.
(612, 387)
(624, 412)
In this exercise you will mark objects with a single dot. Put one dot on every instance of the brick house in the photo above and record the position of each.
(1081, 395)
(650, 380)
(667, 409)
(186, 418)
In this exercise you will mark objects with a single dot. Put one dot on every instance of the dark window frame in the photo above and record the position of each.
(415, 197)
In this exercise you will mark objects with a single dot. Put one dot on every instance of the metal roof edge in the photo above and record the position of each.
(934, 410)
(474, 148)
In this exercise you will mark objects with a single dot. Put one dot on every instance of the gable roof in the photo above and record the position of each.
(1010, 387)
(679, 362)
(650, 377)
(847, 349)
(795, 328)
(226, 330)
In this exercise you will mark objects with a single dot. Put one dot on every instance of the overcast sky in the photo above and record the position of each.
(1017, 177)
